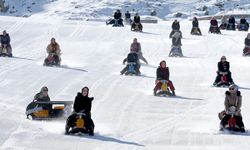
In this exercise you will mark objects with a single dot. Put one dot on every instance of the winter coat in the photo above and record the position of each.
(132, 57)
(176, 41)
(231, 20)
(214, 22)
(127, 15)
(195, 23)
(53, 48)
(82, 103)
(247, 41)
(5, 39)
(41, 98)
(223, 66)
(176, 25)
(224, 20)
(118, 15)
(233, 100)
(137, 19)
(243, 21)
(162, 73)
(135, 47)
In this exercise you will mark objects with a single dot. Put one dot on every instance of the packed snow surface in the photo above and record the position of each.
(125, 112)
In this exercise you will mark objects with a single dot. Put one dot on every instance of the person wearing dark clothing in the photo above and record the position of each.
(132, 58)
(176, 25)
(5, 44)
(176, 45)
(175, 28)
(195, 28)
(223, 67)
(231, 23)
(127, 15)
(244, 25)
(117, 19)
(243, 20)
(162, 73)
(246, 50)
(83, 103)
(214, 26)
(137, 21)
(43, 96)
(176, 40)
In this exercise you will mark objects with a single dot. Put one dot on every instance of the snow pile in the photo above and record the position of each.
(89, 9)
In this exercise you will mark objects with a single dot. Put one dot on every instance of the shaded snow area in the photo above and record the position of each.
(100, 9)
(126, 114)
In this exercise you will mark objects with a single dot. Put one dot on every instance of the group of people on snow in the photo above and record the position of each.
(230, 24)
(118, 21)
(83, 102)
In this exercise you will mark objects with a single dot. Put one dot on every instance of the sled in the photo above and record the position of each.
(79, 123)
(164, 91)
(231, 125)
(136, 27)
(131, 69)
(37, 110)
(175, 52)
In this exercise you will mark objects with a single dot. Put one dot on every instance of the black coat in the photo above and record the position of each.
(195, 23)
(243, 21)
(176, 26)
(231, 20)
(247, 42)
(162, 73)
(132, 57)
(137, 19)
(223, 66)
(127, 15)
(5, 39)
(83, 103)
(118, 15)
(214, 22)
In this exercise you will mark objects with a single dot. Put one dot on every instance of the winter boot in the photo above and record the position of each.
(173, 93)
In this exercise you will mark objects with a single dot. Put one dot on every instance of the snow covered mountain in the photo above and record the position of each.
(88, 9)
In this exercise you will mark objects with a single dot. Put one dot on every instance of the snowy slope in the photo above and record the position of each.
(89, 9)
(126, 114)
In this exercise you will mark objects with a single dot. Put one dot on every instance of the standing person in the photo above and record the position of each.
(6, 48)
(233, 102)
(136, 47)
(162, 73)
(246, 50)
(195, 28)
(223, 67)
